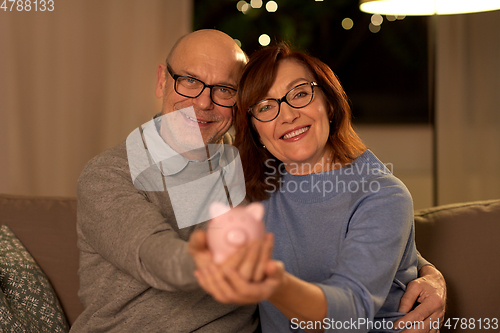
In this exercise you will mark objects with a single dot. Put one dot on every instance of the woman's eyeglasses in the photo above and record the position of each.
(297, 97)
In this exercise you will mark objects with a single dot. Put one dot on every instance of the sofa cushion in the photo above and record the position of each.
(46, 226)
(461, 240)
(27, 301)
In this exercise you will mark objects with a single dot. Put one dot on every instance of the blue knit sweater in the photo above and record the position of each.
(350, 231)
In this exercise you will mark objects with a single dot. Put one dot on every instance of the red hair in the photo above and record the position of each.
(261, 169)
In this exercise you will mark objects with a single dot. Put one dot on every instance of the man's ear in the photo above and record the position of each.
(160, 81)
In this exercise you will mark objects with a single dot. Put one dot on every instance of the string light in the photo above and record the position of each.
(377, 19)
(271, 6)
(374, 28)
(240, 5)
(256, 3)
(347, 23)
(264, 40)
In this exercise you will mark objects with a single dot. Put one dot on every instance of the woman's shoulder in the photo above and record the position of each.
(368, 165)
(380, 182)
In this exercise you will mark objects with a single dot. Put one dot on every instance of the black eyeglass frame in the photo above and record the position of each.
(210, 86)
(283, 99)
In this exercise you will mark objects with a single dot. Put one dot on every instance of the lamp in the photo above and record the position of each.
(427, 7)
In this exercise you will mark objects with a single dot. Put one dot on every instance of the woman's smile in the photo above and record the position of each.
(294, 134)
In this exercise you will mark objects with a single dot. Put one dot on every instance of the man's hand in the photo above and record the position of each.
(227, 286)
(430, 291)
(248, 276)
(249, 261)
(198, 249)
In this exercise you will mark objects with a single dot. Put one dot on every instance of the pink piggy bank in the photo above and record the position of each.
(229, 229)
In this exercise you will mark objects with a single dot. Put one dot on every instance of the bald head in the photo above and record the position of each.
(210, 43)
(207, 37)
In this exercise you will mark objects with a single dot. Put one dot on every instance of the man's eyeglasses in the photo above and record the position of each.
(188, 86)
(297, 97)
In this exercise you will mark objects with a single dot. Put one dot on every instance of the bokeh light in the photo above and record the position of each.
(374, 28)
(264, 40)
(377, 19)
(347, 23)
(240, 5)
(271, 6)
(256, 3)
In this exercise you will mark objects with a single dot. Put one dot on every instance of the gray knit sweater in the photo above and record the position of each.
(135, 272)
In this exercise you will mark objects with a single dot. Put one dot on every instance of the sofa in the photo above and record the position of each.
(461, 240)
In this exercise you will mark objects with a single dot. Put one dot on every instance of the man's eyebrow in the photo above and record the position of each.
(227, 84)
(188, 73)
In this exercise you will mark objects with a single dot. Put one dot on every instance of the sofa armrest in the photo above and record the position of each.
(47, 228)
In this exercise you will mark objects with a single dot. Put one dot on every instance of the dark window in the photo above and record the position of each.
(384, 73)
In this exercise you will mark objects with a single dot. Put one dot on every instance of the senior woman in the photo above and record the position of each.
(343, 224)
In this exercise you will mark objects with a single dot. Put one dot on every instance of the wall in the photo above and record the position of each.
(407, 151)
(76, 81)
(468, 107)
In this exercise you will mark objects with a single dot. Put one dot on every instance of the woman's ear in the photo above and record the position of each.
(260, 143)
(331, 112)
(255, 134)
(260, 140)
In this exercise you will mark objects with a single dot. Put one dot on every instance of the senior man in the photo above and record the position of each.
(135, 270)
